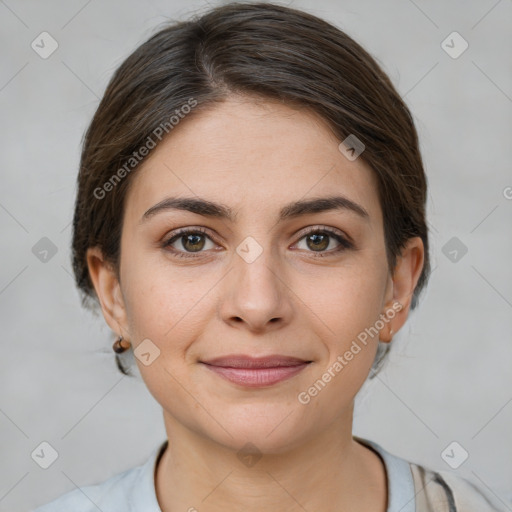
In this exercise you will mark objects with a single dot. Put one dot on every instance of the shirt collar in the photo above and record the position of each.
(401, 493)
(144, 496)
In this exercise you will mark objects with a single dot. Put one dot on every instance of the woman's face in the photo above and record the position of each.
(254, 283)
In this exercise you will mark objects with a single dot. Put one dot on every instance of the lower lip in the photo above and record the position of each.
(257, 377)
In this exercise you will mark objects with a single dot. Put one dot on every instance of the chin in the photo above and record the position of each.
(271, 432)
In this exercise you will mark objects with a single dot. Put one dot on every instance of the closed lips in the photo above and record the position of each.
(255, 363)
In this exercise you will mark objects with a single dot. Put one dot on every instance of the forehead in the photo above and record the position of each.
(254, 156)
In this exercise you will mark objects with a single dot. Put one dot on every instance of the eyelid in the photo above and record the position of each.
(328, 229)
(177, 233)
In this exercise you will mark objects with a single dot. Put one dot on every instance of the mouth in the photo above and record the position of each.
(256, 371)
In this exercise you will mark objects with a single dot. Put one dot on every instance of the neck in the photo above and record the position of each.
(329, 472)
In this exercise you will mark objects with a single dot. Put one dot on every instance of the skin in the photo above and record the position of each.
(255, 156)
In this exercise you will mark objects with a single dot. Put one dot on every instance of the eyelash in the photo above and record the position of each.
(344, 243)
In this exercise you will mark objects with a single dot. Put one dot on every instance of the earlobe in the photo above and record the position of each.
(107, 287)
(386, 333)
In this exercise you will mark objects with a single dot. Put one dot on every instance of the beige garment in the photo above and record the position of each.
(443, 491)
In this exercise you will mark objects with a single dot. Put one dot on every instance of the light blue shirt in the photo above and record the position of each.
(133, 490)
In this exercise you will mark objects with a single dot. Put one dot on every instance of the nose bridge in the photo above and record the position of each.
(256, 271)
(256, 294)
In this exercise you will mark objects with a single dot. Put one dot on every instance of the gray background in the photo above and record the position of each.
(448, 377)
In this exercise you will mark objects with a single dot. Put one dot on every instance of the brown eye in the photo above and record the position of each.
(319, 240)
(188, 241)
(192, 243)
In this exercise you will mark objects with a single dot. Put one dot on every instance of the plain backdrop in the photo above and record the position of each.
(448, 378)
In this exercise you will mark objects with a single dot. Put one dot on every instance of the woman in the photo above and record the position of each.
(250, 217)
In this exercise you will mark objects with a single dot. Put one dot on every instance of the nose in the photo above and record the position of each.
(255, 295)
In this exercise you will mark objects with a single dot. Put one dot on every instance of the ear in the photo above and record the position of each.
(108, 290)
(401, 286)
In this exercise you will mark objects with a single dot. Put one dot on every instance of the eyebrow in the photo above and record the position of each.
(292, 210)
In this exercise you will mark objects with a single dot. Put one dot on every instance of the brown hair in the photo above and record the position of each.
(257, 49)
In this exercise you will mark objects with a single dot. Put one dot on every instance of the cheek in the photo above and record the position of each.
(164, 306)
(165, 303)
(347, 314)
(350, 298)
(348, 306)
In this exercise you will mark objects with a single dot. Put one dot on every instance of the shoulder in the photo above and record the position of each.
(132, 490)
(444, 491)
(416, 488)
(111, 495)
